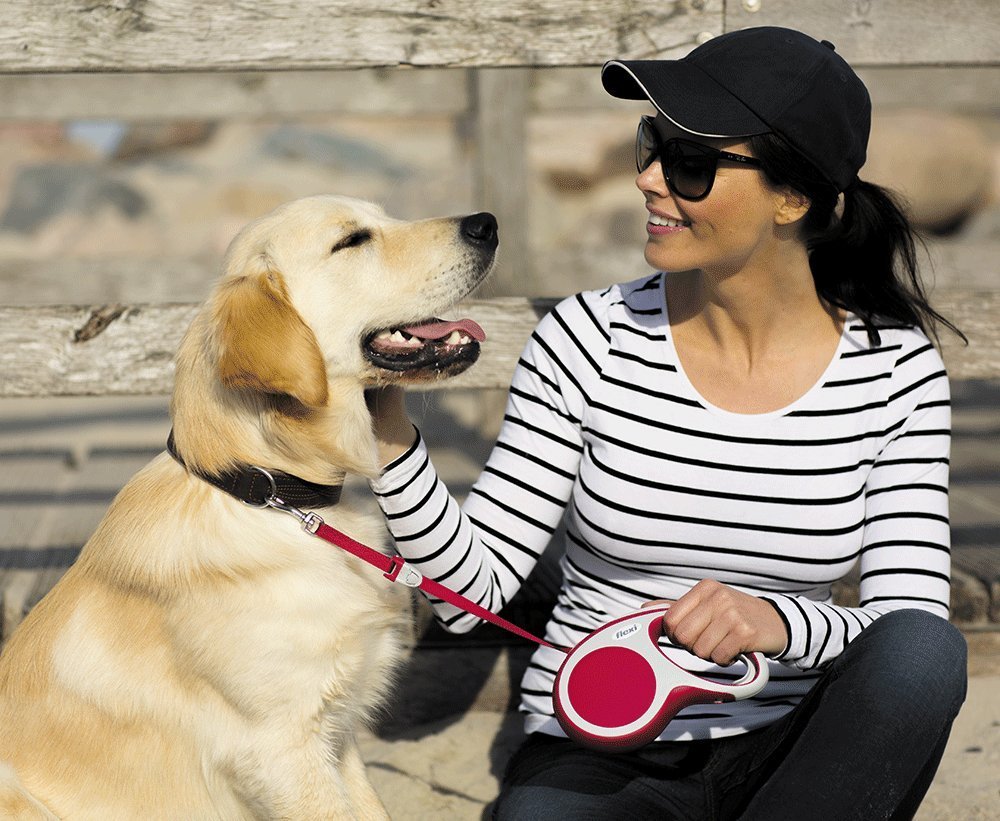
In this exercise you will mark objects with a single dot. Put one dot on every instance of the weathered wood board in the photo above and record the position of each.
(179, 35)
(119, 349)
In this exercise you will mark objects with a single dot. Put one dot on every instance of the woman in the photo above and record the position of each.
(731, 434)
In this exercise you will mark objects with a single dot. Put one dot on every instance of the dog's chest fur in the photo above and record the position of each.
(272, 642)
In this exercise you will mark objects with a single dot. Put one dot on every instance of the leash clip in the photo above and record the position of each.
(403, 573)
(310, 521)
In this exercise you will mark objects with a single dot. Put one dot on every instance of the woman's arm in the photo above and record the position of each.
(394, 432)
(486, 548)
(905, 555)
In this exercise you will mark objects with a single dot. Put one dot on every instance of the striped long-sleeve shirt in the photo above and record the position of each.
(660, 489)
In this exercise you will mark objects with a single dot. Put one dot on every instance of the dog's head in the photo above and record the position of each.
(327, 295)
(326, 287)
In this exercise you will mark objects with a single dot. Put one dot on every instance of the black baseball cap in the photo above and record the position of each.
(757, 80)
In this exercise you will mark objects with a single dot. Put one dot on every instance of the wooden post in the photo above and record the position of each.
(499, 108)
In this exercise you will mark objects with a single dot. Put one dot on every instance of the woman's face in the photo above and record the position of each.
(724, 232)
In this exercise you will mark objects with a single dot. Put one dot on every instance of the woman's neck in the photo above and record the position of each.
(750, 312)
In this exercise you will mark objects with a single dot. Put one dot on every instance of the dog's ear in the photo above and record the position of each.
(264, 344)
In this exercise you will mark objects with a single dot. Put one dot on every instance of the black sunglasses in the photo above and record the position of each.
(688, 167)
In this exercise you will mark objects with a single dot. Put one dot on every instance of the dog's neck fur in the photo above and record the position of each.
(217, 428)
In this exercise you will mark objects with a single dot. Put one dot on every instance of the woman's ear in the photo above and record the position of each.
(263, 342)
(791, 205)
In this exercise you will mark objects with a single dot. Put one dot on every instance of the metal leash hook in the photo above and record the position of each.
(404, 573)
(397, 569)
(310, 521)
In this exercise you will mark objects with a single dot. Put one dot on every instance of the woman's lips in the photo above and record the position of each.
(663, 224)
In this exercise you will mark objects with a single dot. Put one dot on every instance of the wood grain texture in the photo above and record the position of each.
(131, 354)
(881, 32)
(64, 350)
(179, 35)
(500, 114)
(128, 349)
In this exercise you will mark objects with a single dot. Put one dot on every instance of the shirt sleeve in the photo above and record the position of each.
(486, 548)
(905, 556)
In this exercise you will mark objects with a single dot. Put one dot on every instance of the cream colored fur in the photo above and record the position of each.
(203, 659)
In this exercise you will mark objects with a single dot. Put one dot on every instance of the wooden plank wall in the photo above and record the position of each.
(227, 35)
(168, 58)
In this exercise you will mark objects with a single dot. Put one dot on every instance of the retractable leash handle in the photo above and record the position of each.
(616, 690)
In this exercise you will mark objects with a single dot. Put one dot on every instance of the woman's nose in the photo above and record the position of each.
(652, 179)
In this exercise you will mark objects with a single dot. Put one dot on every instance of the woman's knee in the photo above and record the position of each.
(545, 799)
(523, 803)
(549, 777)
(911, 634)
(918, 657)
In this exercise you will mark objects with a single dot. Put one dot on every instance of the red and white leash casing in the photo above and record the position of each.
(616, 690)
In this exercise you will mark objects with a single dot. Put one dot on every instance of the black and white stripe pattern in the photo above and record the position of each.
(660, 489)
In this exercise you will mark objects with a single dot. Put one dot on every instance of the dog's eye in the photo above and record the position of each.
(352, 240)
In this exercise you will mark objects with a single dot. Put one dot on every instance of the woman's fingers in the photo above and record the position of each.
(717, 623)
(689, 615)
(394, 433)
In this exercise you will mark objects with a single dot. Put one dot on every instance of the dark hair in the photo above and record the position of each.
(863, 260)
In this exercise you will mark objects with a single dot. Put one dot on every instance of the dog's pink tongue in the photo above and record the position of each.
(440, 329)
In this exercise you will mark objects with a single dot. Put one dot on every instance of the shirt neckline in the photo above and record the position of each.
(735, 415)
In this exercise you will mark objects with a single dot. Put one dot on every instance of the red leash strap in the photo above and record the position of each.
(397, 569)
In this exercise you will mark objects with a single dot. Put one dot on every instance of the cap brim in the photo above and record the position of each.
(684, 94)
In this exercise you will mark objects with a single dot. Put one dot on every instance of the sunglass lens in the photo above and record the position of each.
(692, 177)
(647, 146)
(688, 171)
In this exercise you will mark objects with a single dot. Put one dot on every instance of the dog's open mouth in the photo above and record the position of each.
(436, 346)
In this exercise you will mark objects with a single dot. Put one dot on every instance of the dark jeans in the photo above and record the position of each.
(863, 744)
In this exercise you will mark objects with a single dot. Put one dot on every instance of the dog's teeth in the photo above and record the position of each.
(454, 338)
(383, 335)
(396, 336)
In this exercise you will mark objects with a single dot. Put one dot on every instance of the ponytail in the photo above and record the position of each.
(863, 260)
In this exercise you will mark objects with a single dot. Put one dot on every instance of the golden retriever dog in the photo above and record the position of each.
(204, 658)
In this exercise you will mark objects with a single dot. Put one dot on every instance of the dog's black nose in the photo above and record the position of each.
(480, 229)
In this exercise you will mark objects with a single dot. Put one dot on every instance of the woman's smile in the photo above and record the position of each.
(660, 224)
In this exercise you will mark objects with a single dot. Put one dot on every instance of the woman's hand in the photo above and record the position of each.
(394, 432)
(717, 623)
